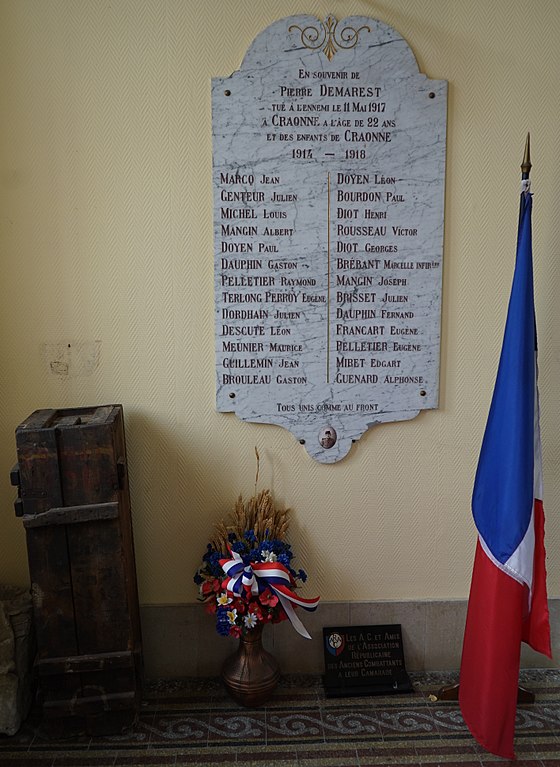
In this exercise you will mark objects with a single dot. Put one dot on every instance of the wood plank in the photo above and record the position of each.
(68, 515)
(39, 471)
(65, 415)
(90, 705)
(103, 414)
(90, 476)
(47, 547)
(99, 587)
(69, 420)
(88, 465)
(79, 663)
(39, 419)
(116, 681)
(51, 589)
(14, 476)
(125, 522)
(60, 687)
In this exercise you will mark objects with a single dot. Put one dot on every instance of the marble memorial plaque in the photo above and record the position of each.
(328, 175)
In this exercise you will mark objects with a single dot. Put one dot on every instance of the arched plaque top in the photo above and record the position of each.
(330, 44)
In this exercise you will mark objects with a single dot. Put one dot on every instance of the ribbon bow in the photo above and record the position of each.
(257, 576)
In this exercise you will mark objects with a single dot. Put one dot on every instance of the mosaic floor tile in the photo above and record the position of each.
(301, 725)
(145, 760)
(349, 723)
(72, 760)
(194, 722)
(238, 727)
(269, 755)
(328, 757)
(25, 759)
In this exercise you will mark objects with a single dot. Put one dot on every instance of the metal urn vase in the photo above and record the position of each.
(251, 674)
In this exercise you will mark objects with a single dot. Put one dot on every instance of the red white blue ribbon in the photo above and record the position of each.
(257, 576)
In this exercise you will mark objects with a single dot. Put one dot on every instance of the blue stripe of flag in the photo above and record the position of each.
(503, 491)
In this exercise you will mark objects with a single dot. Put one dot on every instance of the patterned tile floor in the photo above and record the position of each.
(193, 722)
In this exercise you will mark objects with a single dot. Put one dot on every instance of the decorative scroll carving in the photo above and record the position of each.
(329, 37)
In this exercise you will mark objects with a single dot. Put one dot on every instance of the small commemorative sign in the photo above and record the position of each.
(364, 660)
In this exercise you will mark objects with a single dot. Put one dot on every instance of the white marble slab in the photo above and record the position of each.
(329, 164)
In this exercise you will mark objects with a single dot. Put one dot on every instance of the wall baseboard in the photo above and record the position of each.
(181, 641)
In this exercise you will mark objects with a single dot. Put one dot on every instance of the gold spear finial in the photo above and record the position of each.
(526, 164)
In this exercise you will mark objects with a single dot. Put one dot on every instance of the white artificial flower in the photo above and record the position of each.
(268, 556)
(232, 616)
(250, 620)
(223, 600)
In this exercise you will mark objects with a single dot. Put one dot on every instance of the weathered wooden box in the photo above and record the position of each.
(75, 505)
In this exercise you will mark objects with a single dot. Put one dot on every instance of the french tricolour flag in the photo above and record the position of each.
(508, 602)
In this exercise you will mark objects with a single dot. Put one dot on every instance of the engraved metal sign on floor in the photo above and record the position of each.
(364, 660)
(328, 175)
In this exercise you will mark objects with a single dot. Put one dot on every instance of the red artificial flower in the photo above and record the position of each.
(239, 605)
(279, 615)
(268, 598)
(210, 586)
(235, 631)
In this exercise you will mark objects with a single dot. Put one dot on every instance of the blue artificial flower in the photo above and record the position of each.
(222, 621)
(212, 560)
(263, 546)
(250, 536)
(198, 579)
(239, 546)
(302, 575)
(232, 537)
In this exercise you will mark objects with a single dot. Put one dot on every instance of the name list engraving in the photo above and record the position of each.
(328, 228)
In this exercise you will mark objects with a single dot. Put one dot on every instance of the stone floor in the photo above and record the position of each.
(194, 722)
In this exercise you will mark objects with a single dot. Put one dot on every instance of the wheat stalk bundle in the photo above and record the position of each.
(259, 514)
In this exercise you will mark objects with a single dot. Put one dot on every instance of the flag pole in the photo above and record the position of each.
(451, 692)
(526, 164)
(524, 695)
(525, 171)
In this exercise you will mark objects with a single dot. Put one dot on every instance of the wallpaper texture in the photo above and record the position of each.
(106, 290)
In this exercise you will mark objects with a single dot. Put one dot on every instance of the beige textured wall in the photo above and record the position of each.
(106, 245)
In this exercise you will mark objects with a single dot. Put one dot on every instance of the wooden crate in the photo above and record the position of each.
(75, 504)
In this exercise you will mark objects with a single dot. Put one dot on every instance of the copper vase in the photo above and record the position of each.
(251, 674)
